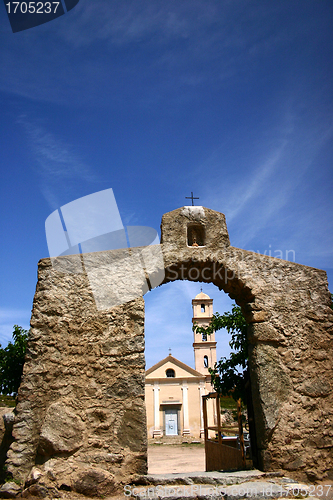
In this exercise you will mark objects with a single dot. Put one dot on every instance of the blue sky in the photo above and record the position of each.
(229, 99)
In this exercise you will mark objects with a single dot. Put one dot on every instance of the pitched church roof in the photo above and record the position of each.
(176, 362)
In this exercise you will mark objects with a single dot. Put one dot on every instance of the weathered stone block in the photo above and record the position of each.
(62, 431)
(95, 482)
(9, 490)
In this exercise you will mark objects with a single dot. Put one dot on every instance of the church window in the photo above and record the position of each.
(204, 337)
(206, 361)
(202, 308)
(170, 373)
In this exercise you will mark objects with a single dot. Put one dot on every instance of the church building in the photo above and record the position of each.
(174, 390)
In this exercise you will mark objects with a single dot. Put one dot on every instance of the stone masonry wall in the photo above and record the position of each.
(80, 421)
(80, 418)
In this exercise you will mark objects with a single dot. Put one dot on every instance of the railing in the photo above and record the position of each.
(222, 453)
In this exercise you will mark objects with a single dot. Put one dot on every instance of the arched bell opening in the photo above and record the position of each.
(196, 235)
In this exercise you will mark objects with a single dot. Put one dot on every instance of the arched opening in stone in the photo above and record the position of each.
(196, 235)
(169, 312)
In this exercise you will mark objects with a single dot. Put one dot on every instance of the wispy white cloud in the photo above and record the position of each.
(253, 187)
(188, 43)
(275, 182)
(56, 161)
(55, 158)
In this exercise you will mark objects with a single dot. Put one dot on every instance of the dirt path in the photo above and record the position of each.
(171, 458)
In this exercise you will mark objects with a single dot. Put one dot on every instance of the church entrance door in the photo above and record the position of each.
(171, 423)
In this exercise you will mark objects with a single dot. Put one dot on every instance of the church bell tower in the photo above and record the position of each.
(204, 346)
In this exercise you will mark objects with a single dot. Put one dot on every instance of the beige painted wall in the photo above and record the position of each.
(170, 395)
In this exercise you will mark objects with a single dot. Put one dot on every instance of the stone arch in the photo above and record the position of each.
(90, 364)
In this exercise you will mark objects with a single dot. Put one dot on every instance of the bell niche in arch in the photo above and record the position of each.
(196, 235)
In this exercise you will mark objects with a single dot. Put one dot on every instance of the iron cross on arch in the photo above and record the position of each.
(191, 198)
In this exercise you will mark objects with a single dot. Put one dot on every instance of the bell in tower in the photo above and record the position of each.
(204, 345)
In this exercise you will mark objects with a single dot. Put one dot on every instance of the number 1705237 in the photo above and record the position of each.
(32, 7)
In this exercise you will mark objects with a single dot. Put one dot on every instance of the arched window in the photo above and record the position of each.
(203, 308)
(196, 235)
(204, 337)
(170, 373)
(206, 361)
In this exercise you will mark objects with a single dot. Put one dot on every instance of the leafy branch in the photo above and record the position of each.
(12, 361)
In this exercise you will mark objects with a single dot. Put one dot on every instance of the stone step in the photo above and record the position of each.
(201, 477)
(250, 485)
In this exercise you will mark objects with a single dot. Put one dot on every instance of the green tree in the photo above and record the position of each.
(12, 361)
(229, 375)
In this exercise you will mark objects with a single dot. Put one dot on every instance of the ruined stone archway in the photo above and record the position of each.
(80, 416)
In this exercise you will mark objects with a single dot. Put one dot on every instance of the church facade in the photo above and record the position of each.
(174, 390)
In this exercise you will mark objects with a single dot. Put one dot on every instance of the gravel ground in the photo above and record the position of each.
(163, 459)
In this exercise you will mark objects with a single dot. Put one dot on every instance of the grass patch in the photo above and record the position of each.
(9, 401)
(228, 403)
(197, 445)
